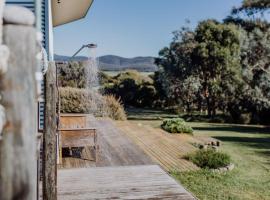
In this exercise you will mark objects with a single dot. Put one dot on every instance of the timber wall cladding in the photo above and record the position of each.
(18, 88)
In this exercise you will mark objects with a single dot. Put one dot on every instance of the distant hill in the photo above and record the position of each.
(117, 63)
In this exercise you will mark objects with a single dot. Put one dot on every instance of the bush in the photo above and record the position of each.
(72, 74)
(104, 78)
(209, 158)
(176, 125)
(74, 100)
(133, 88)
(114, 108)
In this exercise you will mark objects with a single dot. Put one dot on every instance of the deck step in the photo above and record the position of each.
(130, 182)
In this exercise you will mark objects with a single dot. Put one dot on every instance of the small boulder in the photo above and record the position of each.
(18, 15)
(215, 148)
(230, 167)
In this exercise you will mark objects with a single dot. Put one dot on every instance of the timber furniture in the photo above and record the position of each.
(76, 131)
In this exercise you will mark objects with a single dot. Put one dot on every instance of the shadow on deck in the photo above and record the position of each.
(122, 171)
(130, 182)
(115, 149)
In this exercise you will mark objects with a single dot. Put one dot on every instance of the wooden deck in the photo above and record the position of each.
(165, 149)
(123, 170)
(114, 149)
(132, 182)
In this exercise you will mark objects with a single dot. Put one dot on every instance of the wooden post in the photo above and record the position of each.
(49, 138)
(18, 90)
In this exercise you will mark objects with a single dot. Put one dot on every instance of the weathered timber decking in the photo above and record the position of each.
(122, 171)
(114, 149)
(129, 182)
(166, 149)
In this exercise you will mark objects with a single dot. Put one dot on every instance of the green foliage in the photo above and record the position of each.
(209, 158)
(253, 100)
(132, 88)
(201, 68)
(249, 180)
(220, 67)
(105, 78)
(251, 7)
(72, 74)
(176, 125)
(216, 59)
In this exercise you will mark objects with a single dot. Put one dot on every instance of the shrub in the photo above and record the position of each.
(72, 74)
(209, 158)
(176, 125)
(114, 108)
(104, 78)
(74, 100)
(133, 88)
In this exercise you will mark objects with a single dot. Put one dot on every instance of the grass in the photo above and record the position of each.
(114, 73)
(249, 148)
(148, 114)
(209, 158)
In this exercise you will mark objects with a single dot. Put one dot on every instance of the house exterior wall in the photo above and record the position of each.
(42, 10)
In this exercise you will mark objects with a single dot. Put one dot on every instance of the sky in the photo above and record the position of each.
(131, 28)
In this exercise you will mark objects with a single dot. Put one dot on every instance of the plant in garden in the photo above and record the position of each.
(209, 158)
(132, 88)
(114, 108)
(176, 125)
(75, 100)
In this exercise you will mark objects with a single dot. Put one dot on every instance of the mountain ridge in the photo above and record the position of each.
(118, 63)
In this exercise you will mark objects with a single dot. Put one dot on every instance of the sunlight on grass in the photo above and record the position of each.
(249, 148)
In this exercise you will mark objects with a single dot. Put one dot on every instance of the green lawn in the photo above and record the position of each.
(249, 148)
(114, 73)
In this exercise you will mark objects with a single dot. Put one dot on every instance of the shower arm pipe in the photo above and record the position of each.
(90, 46)
(78, 51)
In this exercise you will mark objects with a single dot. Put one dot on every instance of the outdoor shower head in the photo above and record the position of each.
(90, 46)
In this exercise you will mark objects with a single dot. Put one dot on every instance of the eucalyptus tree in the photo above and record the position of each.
(251, 7)
(255, 58)
(216, 59)
(176, 79)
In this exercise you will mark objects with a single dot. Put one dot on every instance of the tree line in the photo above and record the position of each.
(220, 66)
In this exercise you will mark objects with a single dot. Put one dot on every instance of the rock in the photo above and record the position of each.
(230, 167)
(2, 119)
(18, 15)
(205, 147)
(215, 170)
(4, 54)
(215, 148)
(223, 169)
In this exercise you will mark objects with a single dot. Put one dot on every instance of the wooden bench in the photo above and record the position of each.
(76, 131)
(77, 138)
